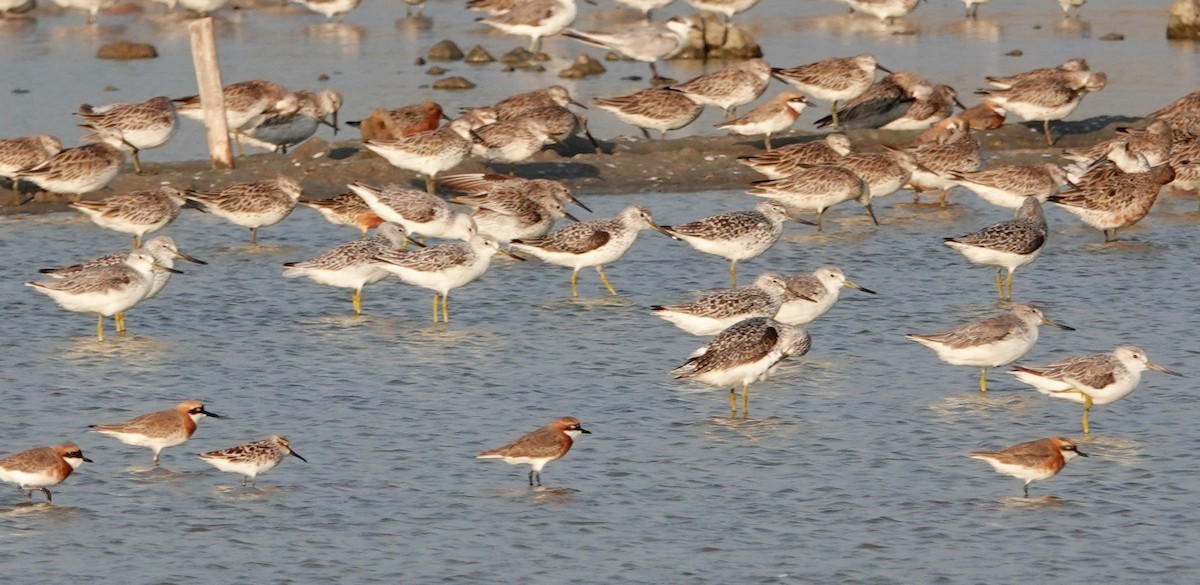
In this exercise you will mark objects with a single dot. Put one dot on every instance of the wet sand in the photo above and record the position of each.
(624, 165)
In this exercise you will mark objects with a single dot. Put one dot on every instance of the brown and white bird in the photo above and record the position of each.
(1046, 98)
(252, 459)
(24, 152)
(792, 158)
(247, 104)
(384, 124)
(1115, 202)
(251, 205)
(1032, 461)
(346, 209)
(776, 115)
(41, 467)
(833, 80)
(136, 213)
(881, 103)
(132, 127)
(158, 430)
(76, 171)
(729, 88)
(653, 109)
(536, 449)
(1006, 245)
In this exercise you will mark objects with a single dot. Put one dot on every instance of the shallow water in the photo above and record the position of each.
(851, 468)
(370, 58)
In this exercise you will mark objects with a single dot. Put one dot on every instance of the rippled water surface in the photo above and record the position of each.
(371, 57)
(851, 468)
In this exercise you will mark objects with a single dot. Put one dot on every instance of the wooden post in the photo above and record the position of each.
(212, 96)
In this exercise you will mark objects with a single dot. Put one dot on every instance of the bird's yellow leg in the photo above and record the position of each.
(100, 328)
(733, 272)
(435, 307)
(1049, 138)
(733, 403)
(604, 279)
(745, 400)
(999, 283)
(833, 113)
(119, 320)
(1087, 406)
(357, 299)
(1008, 285)
(429, 185)
(446, 307)
(983, 382)
(253, 236)
(137, 241)
(574, 288)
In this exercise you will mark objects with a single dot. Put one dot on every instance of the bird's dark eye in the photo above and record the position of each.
(196, 410)
(78, 454)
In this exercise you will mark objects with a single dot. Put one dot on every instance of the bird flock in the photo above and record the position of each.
(1109, 186)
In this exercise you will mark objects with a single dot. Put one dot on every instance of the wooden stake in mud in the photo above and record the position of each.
(212, 96)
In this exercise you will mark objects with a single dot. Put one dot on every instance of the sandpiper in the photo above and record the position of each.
(653, 109)
(792, 158)
(351, 265)
(647, 42)
(331, 9)
(535, 19)
(809, 296)
(136, 213)
(442, 268)
(1009, 186)
(77, 170)
(132, 127)
(816, 188)
(833, 80)
(346, 209)
(1046, 99)
(420, 213)
(881, 103)
(251, 205)
(24, 152)
(729, 88)
(387, 124)
(427, 153)
(713, 312)
(1006, 245)
(280, 132)
(1115, 202)
(252, 459)
(738, 235)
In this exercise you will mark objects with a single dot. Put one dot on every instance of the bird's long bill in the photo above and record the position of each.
(569, 216)
(1158, 368)
(801, 220)
(662, 231)
(165, 269)
(414, 242)
(580, 203)
(189, 258)
(297, 456)
(1081, 453)
(856, 286)
(209, 414)
(1054, 323)
(959, 104)
(573, 102)
(584, 431)
(882, 68)
(510, 254)
(332, 124)
(87, 460)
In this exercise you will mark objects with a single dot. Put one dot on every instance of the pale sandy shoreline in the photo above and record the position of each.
(692, 164)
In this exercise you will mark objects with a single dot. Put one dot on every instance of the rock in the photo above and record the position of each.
(612, 56)
(530, 66)
(419, 62)
(1015, 53)
(20, 91)
(453, 83)
(1185, 20)
(111, 88)
(125, 50)
(322, 77)
(445, 51)
(507, 69)
(478, 54)
(311, 148)
(716, 40)
(517, 55)
(435, 70)
(1112, 36)
(583, 66)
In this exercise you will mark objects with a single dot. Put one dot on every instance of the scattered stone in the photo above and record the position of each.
(111, 88)
(583, 66)
(507, 69)
(612, 56)
(1112, 36)
(445, 51)
(632, 78)
(541, 57)
(1037, 27)
(1015, 53)
(322, 77)
(531, 66)
(435, 70)
(125, 50)
(517, 55)
(717, 40)
(311, 148)
(20, 91)
(453, 83)
(419, 62)
(1185, 20)
(478, 55)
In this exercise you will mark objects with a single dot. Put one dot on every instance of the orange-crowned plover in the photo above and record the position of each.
(536, 449)
(158, 430)
(41, 467)
(1032, 461)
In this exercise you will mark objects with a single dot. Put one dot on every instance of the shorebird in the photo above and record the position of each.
(41, 467)
(645, 6)
(713, 312)
(816, 188)
(973, 7)
(509, 141)
(647, 42)
(1067, 5)
(1101, 378)
(590, 243)
(744, 353)
(1187, 106)
(93, 7)
(990, 343)
(957, 152)
(833, 80)
(1115, 202)
(158, 430)
(1047, 98)
(346, 209)
(132, 127)
(1032, 461)
(8, 7)
(251, 205)
(1006, 245)
(809, 296)
(427, 153)
(247, 103)
(1009, 186)
(653, 109)
(162, 249)
(1153, 142)
(513, 212)
(535, 19)
(136, 213)
(518, 105)
(927, 110)
(77, 170)
(351, 265)
(560, 124)
(481, 184)
(887, 11)
(104, 290)
(384, 124)
(536, 449)
(776, 115)
(442, 268)
(17, 154)
(420, 213)
(331, 9)
(728, 8)
(738, 235)
(278, 133)
(881, 103)
(1055, 73)
(729, 88)
(884, 172)
(792, 158)
(252, 459)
